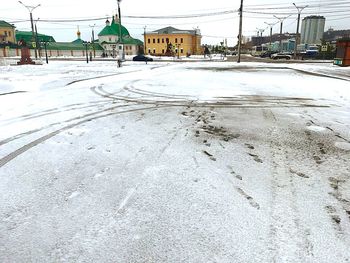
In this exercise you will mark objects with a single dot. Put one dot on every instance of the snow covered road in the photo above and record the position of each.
(190, 162)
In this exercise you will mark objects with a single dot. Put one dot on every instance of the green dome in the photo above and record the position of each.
(113, 29)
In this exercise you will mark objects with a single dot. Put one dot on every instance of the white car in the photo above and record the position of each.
(281, 56)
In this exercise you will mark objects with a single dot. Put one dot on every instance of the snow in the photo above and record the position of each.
(174, 162)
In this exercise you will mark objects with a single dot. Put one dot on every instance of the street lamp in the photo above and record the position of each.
(281, 19)
(271, 25)
(86, 43)
(36, 38)
(240, 32)
(31, 9)
(297, 39)
(45, 47)
(120, 40)
(93, 38)
(261, 35)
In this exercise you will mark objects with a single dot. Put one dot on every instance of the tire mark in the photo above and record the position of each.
(111, 75)
(18, 136)
(50, 112)
(207, 103)
(34, 143)
(13, 92)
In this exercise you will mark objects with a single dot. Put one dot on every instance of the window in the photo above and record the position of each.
(163, 51)
(167, 40)
(149, 51)
(110, 39)
(175, 40)
(182, 40)
(154, 51)
(158, 40)
(162, 40)
(9, 33)
(182, 50)
(154, 40)
(5, 33)
(149, 41)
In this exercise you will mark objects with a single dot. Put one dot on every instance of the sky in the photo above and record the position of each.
(214, 28)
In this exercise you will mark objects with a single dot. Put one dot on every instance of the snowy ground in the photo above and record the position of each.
(174, 162)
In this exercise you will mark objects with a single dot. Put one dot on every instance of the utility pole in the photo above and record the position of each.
(271, 25)
(240, 32)
(31, 9)
(93, 38)
(297, 37)
(144, 39)
(281, 19)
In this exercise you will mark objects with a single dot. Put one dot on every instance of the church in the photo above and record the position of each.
(108, 38)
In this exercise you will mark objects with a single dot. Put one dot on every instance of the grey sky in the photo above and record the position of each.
(214, 28)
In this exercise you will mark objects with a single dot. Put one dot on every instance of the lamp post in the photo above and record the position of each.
(120, 40)
(178, 50)
(261, 35)
(45, 47)
(86, 51)
(240, 32)
(271, 25)
(93, 38)
(36, 38)
(297, 39)
(31, 9)
(144, 39)
(281, 19)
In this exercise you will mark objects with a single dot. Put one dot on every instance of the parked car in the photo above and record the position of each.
(141, 58)
(267, 54)
(281, 56)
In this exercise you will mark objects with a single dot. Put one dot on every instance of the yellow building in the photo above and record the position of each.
(172, 41)
(7, 32)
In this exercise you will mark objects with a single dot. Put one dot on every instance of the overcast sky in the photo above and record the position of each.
(213, 28)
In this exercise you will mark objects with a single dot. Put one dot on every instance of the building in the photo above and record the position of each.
(170, 41)
(76, 48)
(7, 32)
(312, 29)
(108, 38)
(259, 40)
(331, 35)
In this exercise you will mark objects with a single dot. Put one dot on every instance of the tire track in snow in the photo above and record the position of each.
(23, 149)
(289, 240)
(21, 135)
(232, 103)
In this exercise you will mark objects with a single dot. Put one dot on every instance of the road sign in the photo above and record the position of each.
(324, 48)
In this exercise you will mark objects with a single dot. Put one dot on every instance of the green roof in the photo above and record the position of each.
(27, 37)
(113, 29)
(70, 46)
(78, 41)
(5, 24)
